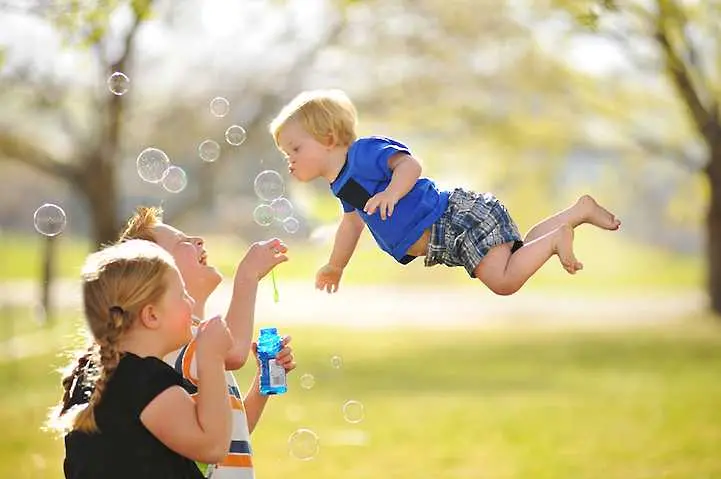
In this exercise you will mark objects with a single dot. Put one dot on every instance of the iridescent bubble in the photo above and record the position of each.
(294, 412)
(153, 165)
(291, 225)
(269, 185)
(353, 411)
(235, 135)
(118, 83)
(49, 219)
(282, 208)
(219, 107)
(209, 151)
(263, 215)
(336, 362)
(307, 381)
(175, 180)
(303, 444)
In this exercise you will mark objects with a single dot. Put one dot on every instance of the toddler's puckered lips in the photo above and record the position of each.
(203, 258)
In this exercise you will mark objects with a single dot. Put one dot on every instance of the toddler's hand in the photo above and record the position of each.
(261, 258)
(284, 358)
(328, 278)
(214, 338)
(384, 202)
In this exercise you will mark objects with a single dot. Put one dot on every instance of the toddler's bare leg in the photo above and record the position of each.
(505, 273)
(585, 210)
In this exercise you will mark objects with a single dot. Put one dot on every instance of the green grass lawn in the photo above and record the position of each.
(507, 403)
(612, 264)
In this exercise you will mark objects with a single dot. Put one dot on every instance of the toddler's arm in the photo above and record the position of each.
(346, 239)
(406, 171)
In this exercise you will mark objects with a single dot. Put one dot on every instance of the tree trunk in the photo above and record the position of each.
(98, 186)
(713, 229)
(46, 312)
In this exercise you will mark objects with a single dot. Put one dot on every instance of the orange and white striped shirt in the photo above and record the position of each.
(238, 464)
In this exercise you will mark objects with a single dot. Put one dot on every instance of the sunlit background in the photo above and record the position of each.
(407, 371)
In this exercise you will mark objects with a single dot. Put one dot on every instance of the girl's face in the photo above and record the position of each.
(175, 311)
(189, 254)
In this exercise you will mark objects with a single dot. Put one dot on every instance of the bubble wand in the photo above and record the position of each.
(269, 186)
(276, 296)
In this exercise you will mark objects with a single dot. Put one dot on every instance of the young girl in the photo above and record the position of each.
(378, 184)
(129, 416)
(201, 279)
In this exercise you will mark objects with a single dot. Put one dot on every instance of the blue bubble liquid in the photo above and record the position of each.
(272, 375)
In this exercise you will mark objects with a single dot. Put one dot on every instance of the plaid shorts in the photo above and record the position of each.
(472, 224)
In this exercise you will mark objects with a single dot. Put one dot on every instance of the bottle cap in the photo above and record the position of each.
(268, 330)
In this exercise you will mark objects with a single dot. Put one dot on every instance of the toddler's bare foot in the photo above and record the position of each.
(564, 249)
(597, 215)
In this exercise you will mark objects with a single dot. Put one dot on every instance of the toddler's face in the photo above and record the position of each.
(306, 156)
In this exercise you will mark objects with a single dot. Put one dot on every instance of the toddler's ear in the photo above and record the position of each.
(330, 141)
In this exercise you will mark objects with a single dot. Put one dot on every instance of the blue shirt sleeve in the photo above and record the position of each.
(374, 154)
(347, 208)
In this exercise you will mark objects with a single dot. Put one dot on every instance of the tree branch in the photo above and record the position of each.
(115, 103)
(47, 97)
(12, 147)
(677, 154)
(623, 41)
(681, 77)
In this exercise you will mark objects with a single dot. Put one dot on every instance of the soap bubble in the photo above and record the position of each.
(268, 185)
(219, 107)
(291, 225)
(263, 215)
(303, 444)
(307, 381)
(152, 165)
(282, 208)
(175, 180)
(353, 411)
(118, 83)
(235, 135)
(209, 151)
(336, 362)
(49, 219)
(294, 412)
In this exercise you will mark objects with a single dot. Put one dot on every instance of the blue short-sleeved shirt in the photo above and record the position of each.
(365, 174)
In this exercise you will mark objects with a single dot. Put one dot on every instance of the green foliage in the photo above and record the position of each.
(142, 8)
(587, 13)
(82, 23)
(85, 23)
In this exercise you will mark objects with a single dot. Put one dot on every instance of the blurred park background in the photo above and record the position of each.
(612, 373)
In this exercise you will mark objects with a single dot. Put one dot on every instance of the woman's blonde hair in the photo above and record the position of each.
(118, 282)
(328, 115)
(141, 224)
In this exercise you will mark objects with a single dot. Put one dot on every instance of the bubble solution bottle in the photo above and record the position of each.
(272, 375)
